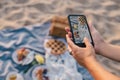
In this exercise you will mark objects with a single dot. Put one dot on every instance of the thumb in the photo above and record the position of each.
(87, 42)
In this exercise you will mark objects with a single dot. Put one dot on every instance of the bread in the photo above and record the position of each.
(58, 29)
(58, 24)
(59, 19)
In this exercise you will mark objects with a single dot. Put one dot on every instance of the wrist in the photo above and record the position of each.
(100, 47)
(89, 61)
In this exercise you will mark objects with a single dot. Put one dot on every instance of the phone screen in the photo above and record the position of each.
(79, 27)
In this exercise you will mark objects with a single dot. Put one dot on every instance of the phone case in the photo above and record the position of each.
(80, 29)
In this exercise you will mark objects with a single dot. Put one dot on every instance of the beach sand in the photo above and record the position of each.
(105, 15)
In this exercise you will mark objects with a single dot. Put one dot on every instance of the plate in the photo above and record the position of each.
(18, 76)
(28, 59)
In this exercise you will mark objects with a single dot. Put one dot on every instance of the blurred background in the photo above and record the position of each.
(104, 14)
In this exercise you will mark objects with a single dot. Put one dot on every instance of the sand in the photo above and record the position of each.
(105, 15)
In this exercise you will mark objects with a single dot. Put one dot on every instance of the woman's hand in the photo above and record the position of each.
(86, 56)
(79, 53)
(97, 38)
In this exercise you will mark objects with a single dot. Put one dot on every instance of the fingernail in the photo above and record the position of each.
(70, 53)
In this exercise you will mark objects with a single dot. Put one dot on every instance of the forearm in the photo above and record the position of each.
(110, 51)
(98, 72)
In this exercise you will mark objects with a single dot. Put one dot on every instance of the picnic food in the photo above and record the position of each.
(13, 77)
(57, 47)
(58, 25)
(22, 53)
(39, 59)
(60, 19)
(57, 29)
(39, 74)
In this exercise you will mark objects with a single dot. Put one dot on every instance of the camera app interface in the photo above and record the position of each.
(80, 28)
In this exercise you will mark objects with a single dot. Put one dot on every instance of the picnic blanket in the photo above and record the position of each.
(28, 37)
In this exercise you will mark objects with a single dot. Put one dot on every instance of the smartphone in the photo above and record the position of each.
(80, 29)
